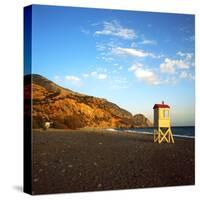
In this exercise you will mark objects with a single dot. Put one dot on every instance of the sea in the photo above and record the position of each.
(177, 131)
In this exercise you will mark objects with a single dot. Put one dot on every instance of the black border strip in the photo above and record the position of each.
(27, 150)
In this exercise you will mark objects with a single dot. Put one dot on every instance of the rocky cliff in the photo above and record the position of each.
(69, 109)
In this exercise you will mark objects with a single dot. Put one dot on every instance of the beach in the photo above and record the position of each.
(96, 159)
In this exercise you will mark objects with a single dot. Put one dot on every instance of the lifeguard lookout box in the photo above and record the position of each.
(162, 129)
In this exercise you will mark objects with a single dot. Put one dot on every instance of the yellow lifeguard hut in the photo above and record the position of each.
(162, 129)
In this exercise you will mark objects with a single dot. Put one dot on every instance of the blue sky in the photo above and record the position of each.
(134, 59)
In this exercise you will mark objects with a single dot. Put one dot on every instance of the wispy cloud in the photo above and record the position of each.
(135, 66)
(119, 83)
(143, 74)
(186, 75)
(101, 47)
(73, 79)
(114, 28)
(151, 42)
(179, 53)
(189, 39)
(170, 65)
(101, 76)
(107, 59)
(85, 31)
(172, 80)
(96, 75)
(147, 76)
(131, 52)
(183, 29)
(86, 75)
(185, 56)
(112, 51)
(57, 78)
(167, 66)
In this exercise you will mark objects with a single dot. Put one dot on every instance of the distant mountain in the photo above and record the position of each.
(69, 109)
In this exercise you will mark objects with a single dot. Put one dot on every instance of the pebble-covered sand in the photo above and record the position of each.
(89, 160)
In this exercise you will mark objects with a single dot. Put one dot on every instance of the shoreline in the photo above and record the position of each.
(149, 133)
(112, 130)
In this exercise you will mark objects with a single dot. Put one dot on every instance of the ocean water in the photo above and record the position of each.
(179, 131)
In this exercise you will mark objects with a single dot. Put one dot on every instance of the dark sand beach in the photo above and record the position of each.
(90, 160)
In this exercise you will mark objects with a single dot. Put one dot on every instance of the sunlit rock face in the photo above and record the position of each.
(69, 109)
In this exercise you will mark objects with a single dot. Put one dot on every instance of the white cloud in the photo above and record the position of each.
(190, 38)
(57, 78)
(172, 80)
(135, 66)
(160, 56)
(86, 32)
(131, 52)
(96, 75)
(185, 56)
(107, 59)
(183, 74)
(93, 73)
(179, 53)
(147, 75)
(134, 44)
(169, 65)
(186, 75)
(181, 64)
(100, 47)
(192, 64)
(153, 42)
(119, 83)
(119, 86)
(74, 80)
(189, 56)
(101, 69)
(86, 75)
(191, 76)
(101, 76)
(115, 29)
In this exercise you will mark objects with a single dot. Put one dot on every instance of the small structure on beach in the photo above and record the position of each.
(162, 129)
(47, 125)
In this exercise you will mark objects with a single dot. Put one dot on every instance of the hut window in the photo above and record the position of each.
(166, 114)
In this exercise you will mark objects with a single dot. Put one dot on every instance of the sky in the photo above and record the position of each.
(134, 59)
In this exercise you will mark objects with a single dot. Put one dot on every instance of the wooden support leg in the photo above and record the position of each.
(171, 136)
(164, 136)
(155, 136)
(160, 136)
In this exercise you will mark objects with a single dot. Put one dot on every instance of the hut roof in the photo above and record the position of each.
(161, 106)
